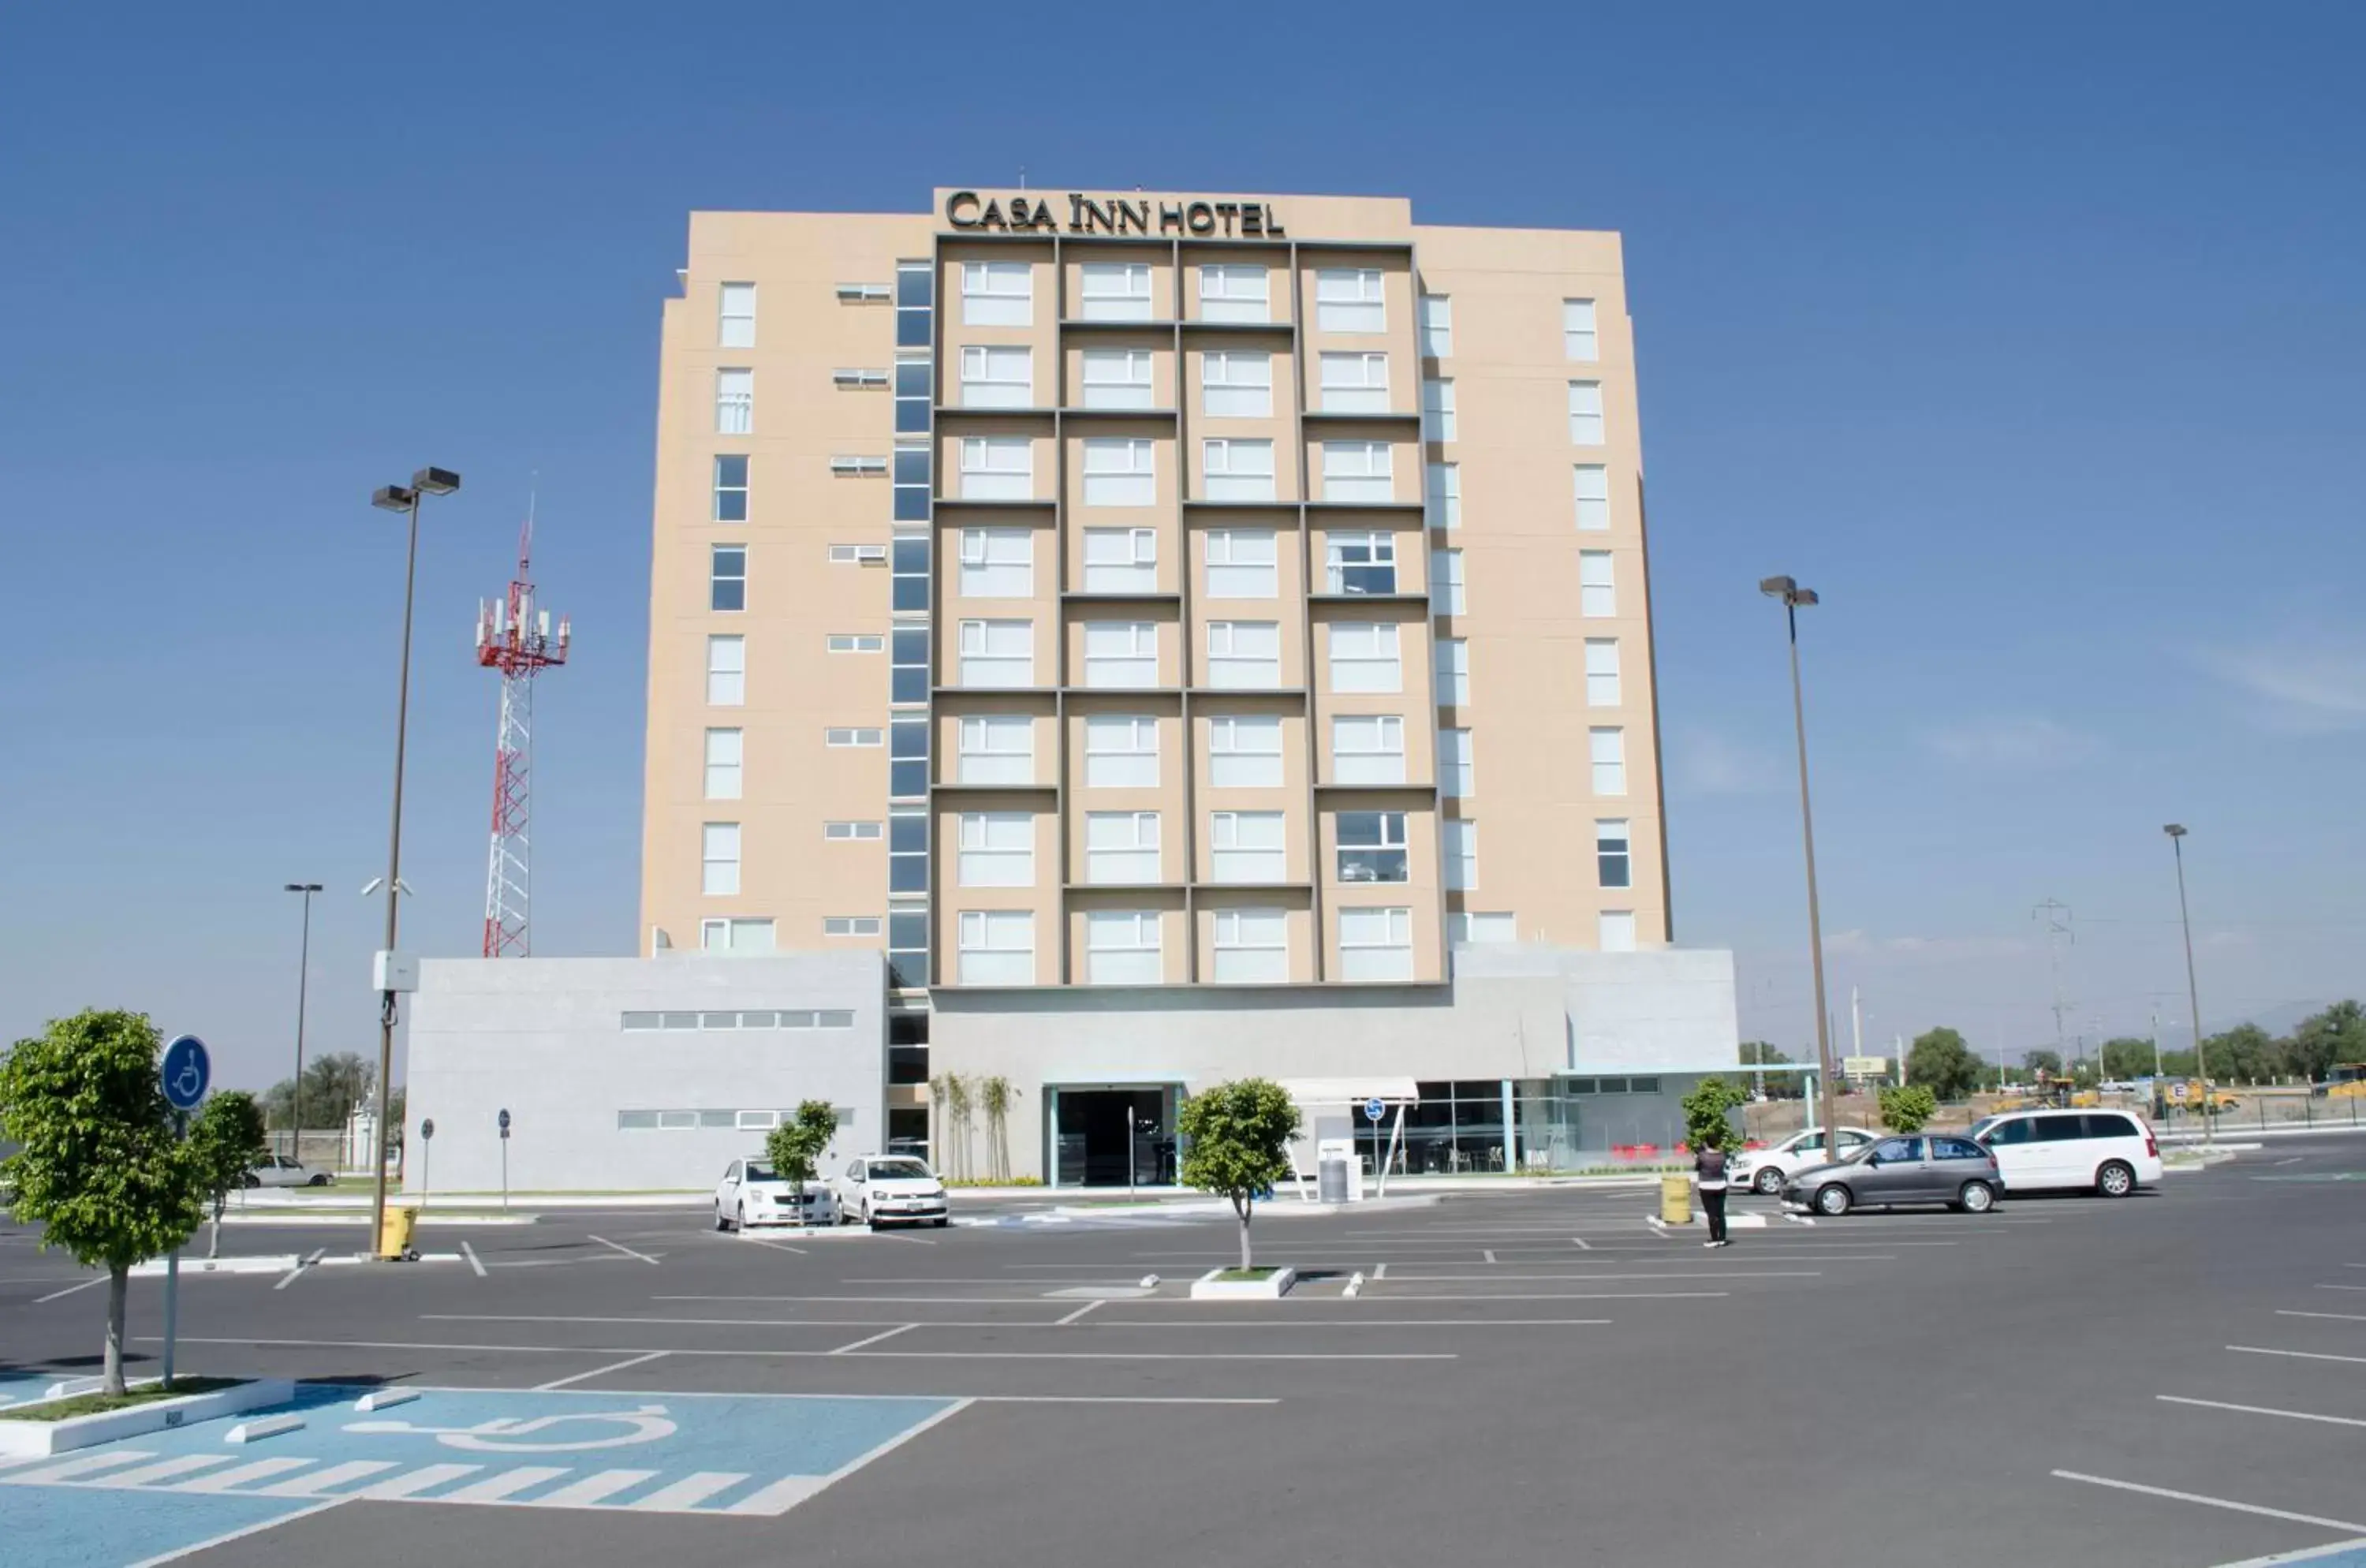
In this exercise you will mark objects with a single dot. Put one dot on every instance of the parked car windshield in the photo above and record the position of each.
(761, 1170)
(898, 1170)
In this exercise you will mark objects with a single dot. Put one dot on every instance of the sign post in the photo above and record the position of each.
(504, 1122)
(187, 1070)
(427, 1166)
(1373, 1111)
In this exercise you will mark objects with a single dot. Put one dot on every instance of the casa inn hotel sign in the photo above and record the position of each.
(1080, 214)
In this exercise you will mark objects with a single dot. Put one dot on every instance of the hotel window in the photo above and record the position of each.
(850, 925)
(1357, 470)
(1246, 846)
(1236, 383)
(736, 311)
(1471, 929)
(1121, 846)
(1597, 590)
(1236, 470)
(908, 851)
(724, 751)
(1121, 751)
(1445, 582)
(1373, 847)
(996, 378)
(998, 848)
(997, 748)
(1593, 496)
(1437, 326)
(913, 470)
(1607, 748)
(1115, 291)
(1252, 946)
(908, 675)
(1375, 944)
(1577, 340)
(1120, 560)
(851, 832)
(1458, 773)
(840, 737)
(997, 653)
(1354, 383)
(1602, 672)
(1349, 299)
(727, 671)
(1367, 749)
(719, 859)
(1586, 412)
(908, 757)
(1121, 948)
(910, 574)
(998, 563)
(1364, 657)
(1461, 855)
(915, 298)
(1442, 495)
(1121, 653)
(1244, 655)
(1118, 379)
(1617, 932)
(908, 948)
(727, 577)
(1453, 669)
(1234, 291)
(915, 389)
(997, 947)
(1242, 563)
(1364, 561)
(1437, 410)
(1120, 471)
(998, 294)
(856, 642)
(1613, 861)
(735, 402)
(731, 488)
(1244, 751)
(740, 936)
(997, 467)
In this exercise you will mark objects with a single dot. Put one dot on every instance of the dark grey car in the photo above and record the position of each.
(1934, 1167)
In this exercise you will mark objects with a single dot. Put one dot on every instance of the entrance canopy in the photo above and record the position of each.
(1351, 1092)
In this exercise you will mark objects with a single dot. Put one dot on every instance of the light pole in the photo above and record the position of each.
(303, 973)
(2176, 831)
(403, 499)
(1793, 596)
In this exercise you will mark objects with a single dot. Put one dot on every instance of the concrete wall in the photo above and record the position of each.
(545, 1038)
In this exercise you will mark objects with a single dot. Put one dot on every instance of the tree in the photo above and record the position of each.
(1705, 1124)
(226, 1141)
(2245, 1053)
(1239, 1134)
(334, 1085)
(797, 1145)
(2336, 1034)
(1907, 1110)
(100, 1171)
(2127, 1058)
(2049, 1062)
(1940, 1059)
(1782, 1085)
(994, 1099)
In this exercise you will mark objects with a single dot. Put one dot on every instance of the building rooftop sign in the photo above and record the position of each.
(1021, 212)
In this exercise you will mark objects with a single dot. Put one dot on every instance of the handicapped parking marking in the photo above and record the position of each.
(509, 1433)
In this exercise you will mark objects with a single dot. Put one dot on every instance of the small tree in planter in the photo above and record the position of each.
(994, 1097)
(100, 1172)
(227, 1140)
(795, 1147)
(1239, 1134)
(1705, 1124)
(1907, 1110)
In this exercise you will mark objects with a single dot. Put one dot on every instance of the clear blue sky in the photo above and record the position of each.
(2031, 337)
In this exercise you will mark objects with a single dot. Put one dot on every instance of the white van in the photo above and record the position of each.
(2110, 1152)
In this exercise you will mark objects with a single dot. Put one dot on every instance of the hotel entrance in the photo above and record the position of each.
(1112, 1137)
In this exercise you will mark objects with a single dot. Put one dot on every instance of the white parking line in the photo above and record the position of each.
(295, 1273)
(2296, 1355)
(2342, 1525)
(70, 1290)
(1399, 1296)
(1076, 1315)
(1583, 1244)
(474, 1261)
(1489, 1255)
(2259, 1410)
(596, 1372)
(888, 1334)
(618, 1247)
(2342, 1287)
(239, 1534)
(788, 1355)
(2288, 1559)
(775, 1246)
(2334, 1316)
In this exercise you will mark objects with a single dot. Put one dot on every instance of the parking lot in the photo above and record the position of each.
(2178, 1379)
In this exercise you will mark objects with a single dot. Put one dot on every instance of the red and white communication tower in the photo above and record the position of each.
(516, 638)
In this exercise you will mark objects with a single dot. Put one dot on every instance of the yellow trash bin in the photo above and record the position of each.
(1676, 1200)
(394, 1235)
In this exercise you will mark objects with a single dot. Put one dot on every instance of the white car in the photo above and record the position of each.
(752, 1194)
(884, 1190)
(279, 1170)
(1765, 1170)
(2110, 1152)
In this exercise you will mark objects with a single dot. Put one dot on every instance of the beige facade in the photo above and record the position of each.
(1051, 605)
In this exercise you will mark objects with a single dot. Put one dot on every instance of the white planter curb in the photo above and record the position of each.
(270, 1263)
(1272, 1287)
(38, 1440)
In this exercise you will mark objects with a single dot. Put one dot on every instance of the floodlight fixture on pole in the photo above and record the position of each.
(2176, 831)
(1792, 595)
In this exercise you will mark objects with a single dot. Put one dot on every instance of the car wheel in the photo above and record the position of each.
(1767, 1182)
(253, 1181)
(940, 1223)
(1976, 1198)
(720, 1223)
(739, 1218)
(319, 1180)
(1832, 1199)
(2115, 1179)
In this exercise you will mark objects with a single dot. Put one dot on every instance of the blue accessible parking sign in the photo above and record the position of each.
(187, 1071)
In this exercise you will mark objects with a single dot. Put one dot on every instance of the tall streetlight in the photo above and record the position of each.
(1793, 596)
(403, 499)
(2176, 831)
(303, 973)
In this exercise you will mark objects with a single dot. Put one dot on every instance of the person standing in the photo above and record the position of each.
(1708, 1174)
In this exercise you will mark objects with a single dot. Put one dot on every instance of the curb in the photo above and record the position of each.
(39, 1439)
(265, 1263)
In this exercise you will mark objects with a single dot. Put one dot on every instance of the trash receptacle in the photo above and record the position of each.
(394, 1235)
(1676, 1200)
(1331, 1182)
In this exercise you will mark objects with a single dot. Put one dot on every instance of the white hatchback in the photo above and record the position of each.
(2110, 1152)
(1765, 1170)
(752, 1194)
(883, 1189)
